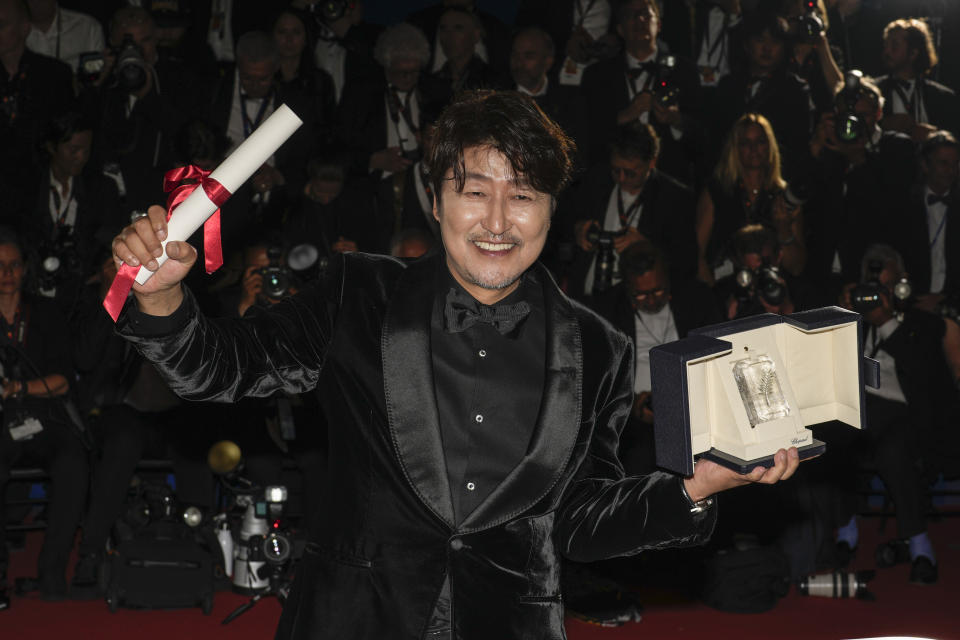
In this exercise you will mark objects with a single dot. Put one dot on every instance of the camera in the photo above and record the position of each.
(59, 259)
(665, 91)
(764, 282)
(807, 27)
(89, 67)
(865, 297)
(839, 584)
(277, 277)
(131, 68)
(330, 10)
(264, 545)
(849, 127)
(606, 255)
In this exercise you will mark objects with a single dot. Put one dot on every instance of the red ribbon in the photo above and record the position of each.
(212, 248)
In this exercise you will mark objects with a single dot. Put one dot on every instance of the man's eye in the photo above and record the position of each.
(522, 196)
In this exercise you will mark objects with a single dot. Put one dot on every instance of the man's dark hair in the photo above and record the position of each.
(64, 126)
(938, 140)
(636, 140)
(545, 39)
(760, 22)
(641, 257)
(538, 150)
(619, 6)
(8, 235)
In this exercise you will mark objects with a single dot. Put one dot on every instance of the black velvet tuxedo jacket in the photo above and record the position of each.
(362, 336)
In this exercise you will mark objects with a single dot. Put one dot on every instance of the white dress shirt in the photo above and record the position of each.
(70, 34)
(650, 330)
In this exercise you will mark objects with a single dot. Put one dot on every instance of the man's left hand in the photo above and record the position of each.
(629, 237)
(710, 478)
(667, 115)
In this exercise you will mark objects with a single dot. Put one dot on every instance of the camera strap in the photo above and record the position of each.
(627, 216)
(17, 331)
(62, 208)
(914, 103)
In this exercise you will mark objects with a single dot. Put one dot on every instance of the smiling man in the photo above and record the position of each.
(474, 409)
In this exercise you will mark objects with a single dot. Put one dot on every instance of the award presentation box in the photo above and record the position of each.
(738, 391)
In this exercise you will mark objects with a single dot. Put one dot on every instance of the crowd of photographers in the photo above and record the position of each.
(735, 157)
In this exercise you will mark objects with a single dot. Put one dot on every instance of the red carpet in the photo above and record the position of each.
(901, 609)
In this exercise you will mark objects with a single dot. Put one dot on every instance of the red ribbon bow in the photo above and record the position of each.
(212, 249)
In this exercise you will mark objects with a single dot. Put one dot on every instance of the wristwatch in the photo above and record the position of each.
(698, 506)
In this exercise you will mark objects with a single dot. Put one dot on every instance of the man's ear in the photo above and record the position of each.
(436, 209)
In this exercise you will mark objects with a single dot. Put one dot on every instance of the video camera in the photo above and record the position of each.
(865, 297)
(665, 91)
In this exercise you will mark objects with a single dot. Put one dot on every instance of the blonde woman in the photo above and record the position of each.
(747, 188)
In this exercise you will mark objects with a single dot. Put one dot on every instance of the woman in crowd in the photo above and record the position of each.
(747, 188)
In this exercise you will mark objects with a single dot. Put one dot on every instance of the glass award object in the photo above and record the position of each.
(760, 390)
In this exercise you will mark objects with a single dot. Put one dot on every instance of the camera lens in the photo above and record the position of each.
(276, 548)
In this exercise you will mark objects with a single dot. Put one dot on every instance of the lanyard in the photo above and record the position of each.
(720, 39)
(936, 236)
(398, 110)
(626, 217)
(666, 330)
(63, 208)
(913, 104)
(17, 331)
(248, 125)
(584, 12)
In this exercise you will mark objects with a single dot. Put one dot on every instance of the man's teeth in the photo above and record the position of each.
(494, 246)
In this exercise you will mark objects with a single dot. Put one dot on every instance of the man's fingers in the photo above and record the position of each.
(181, 251)
(793, 463)
(131, 248)
(158, 221)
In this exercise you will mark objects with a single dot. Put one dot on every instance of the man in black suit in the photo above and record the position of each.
(924, 234)
(631, 199)
(651, 308)
(473, 408)
(915, 104)
(642, 86)
(768, 88)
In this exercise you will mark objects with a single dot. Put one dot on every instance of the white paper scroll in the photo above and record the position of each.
(232, 173)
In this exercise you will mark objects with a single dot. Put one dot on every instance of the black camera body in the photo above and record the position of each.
(329, 10)
(866, 296)
(277, 276)
(665, 90)
(763, 282)
(606, 255)
(807, 28)
(131, 68)
(59, 259)
(848, 126)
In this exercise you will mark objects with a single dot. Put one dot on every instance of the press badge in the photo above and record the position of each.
(26, 429)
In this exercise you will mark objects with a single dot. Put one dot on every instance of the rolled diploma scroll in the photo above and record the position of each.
(232, 173)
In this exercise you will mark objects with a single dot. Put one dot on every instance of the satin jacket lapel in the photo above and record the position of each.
(557, 425)
(409, 390)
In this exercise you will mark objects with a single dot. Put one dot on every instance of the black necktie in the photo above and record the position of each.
(933, 199)
(462, 312)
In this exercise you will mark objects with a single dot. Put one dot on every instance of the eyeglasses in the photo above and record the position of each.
(642, 294)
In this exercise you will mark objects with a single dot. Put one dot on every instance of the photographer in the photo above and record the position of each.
(812, 58)
(36, 375)
(759, 284)
(902, 415)
(747, 188)
(862, 176)
(625, 202)
(928, 239)
(915, 104)
(74, 206)
(644, 84)
(651, 308)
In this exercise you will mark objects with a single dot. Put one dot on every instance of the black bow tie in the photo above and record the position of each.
(462, 312)
(643, 67)
(933, 199)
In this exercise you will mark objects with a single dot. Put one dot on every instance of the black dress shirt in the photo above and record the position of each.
(488, 389)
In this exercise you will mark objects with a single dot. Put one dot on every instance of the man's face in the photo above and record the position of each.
(403, 73)
(71, 157)
(494, 229)
(11, 269)
(648, 292)
(765, 53)
(458, 35)
(941, 168)
(897, 54)
(638, 25)
(256, 78)
(868, 112)
(630, 173)
(289, 36)
(753, 148)
(529, 60)
(754, 260)
(144, 36)
(324, 190)
(14, 28)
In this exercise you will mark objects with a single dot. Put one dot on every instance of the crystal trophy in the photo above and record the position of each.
(760, 390)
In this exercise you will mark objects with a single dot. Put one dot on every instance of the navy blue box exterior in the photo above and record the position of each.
(671, 410)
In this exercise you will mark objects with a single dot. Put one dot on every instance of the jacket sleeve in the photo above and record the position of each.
(280, 348)
(605, 514)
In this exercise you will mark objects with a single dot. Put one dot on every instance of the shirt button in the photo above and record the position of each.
(471, 486)
(456, 544)
(482, 353)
